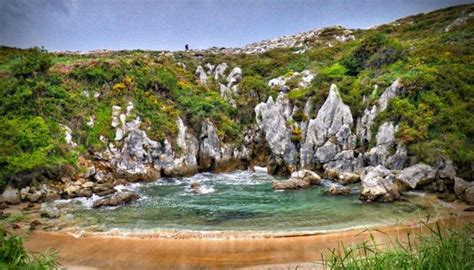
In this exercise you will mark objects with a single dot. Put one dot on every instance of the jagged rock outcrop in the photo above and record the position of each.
(185, 162)
(417, 175)
(365, 122)
(234, 77)
(329, 139)
(385, 141)
(214, 155)
(304, 79)
(386, 151)
(294, 41)
(298, 179)
(378, 184)
(445, 175)
(210, 68)
(220, 70)
(464, 190)
(201, 74)
(462, 20)
(272, 118)
(209, 147)
(143, 159)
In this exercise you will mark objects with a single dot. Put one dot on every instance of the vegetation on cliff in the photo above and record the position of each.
(42, 91)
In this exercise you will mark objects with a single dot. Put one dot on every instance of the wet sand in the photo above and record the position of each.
(131, 252)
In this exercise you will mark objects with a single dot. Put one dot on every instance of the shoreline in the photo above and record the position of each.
(441, 210)
(129, 252)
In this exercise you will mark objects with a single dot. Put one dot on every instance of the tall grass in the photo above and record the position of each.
(440, 248)
(13, 255)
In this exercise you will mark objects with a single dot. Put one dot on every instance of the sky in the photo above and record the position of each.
(83, 25)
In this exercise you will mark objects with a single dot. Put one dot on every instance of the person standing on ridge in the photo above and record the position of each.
(186, 47)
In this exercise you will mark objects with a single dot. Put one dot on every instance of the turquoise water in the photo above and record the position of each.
(243, 201)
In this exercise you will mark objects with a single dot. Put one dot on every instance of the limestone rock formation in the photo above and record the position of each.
(338, 189)
(345, 178)
(329, 134)
(209, 147)
(219, 71)
(365, 122)
(464, 190)
(234, 77)
(116, 199)
(201, 74)
(417, 175)
(271, 119)
(378, 184)
(298, 179)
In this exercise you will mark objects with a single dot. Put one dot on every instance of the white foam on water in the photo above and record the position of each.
(128, 187)
(202, 190)
(260, 169)
(206, 190)
(84, 201)
(416, 193)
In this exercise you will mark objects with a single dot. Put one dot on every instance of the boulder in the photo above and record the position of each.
(464, 190)
(292, 183)
(378, 184)
(336, 189)
(196, 187)
(11, 195)
(307, 175)
(85, 192)
(298, 179)
(116, 199)
(345, 178)
(417, 175)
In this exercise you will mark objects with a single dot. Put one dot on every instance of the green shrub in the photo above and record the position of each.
(26, 144)
(35, 62)
(298, 94)
(336, 71)
(374, 51)
(252, 91)
(442, 248)
(14, 256)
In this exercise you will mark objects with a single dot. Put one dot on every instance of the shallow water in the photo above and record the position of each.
(242, 201)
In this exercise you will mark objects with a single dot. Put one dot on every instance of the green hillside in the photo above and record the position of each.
(432, 53)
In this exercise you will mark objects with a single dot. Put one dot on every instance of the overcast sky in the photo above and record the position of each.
(144, 24)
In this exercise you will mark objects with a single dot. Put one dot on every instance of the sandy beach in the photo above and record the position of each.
(148, 252)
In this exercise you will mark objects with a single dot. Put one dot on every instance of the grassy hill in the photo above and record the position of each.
(432, 53)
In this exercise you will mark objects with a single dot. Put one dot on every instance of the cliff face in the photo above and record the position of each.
(389, 106)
